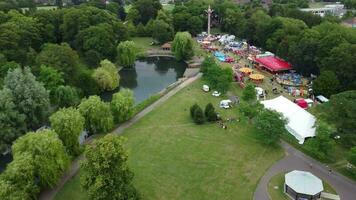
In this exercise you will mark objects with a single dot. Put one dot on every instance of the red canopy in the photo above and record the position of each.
(274, 64)
(302, 103)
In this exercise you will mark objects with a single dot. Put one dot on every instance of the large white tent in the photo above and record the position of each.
(300, 122)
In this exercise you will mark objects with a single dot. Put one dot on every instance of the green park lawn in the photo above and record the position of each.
(173, 158)
(144, 43)
(276, 185)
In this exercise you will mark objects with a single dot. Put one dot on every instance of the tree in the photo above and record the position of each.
(68, 124)
(217, 78)
(326, 84)
(92, 58)
(107, 76)
(146, 9)
(4, 68)
(61, 57)
(100, 38)
(351, 157)
(321, 146)
(85, 75)
(342, 62)
(105, 171)
(249, 93)
(182, 46)
(47, 153)
(12, 123)
(224, 80)
(210, 113)
(97, 114)
(29, 96)
(269, 125)
(250, 110)
(198, 116)
(50, 77)
(126, 53)
(303, 54)
(18, 180)
(234, 22)
(65, 96)
(192, 109)
(195, 25)
(122, 105)
(343, 109)
(134, 16)
(161, 31)
(17, 35)
(76, 20)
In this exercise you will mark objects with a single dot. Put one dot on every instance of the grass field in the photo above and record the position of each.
(278, 193)
(172, 158)
(72, 190)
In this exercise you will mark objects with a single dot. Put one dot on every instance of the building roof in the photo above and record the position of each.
(274, 64)
(304, 182)
(300, 122)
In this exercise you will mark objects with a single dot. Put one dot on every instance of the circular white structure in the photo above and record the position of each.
(302, 185)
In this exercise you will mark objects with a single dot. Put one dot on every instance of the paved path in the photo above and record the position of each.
(49, 194)
(296, 160)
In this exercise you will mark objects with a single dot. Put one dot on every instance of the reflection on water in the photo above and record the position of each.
(149, 76)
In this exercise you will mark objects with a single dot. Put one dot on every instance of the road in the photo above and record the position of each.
(49, 194)
(296, 160)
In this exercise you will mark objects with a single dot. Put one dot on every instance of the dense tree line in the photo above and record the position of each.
(312, 45)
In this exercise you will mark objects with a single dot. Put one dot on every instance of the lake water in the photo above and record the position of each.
(148, 77)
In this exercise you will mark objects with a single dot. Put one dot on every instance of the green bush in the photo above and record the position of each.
(210, 113)
(192, 109)
(198, 116)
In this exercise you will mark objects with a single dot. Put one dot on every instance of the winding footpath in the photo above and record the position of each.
(296, 160)
(49, 194)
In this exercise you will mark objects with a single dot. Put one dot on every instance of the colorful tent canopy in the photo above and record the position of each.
(245, 70)
(274, 64)
(302, 103)
(257, 77)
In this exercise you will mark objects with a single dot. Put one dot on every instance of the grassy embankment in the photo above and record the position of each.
(173, 158)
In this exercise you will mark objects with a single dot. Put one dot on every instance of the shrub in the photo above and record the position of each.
(192, 109)
(198, 116)
(210, 113)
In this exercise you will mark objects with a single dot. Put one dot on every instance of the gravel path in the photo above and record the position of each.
(49, 194)
(296, 160)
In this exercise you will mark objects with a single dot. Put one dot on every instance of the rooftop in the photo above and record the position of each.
(304, 182)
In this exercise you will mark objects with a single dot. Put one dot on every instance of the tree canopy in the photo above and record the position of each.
(68, 123)
(269, 126)
(105, 172)
(182, 46)
(343, 110)
(126, 53)
(122, 105)
(47, 153)
(107, 76)
(29, 96)
(12, 123)
(97, 114)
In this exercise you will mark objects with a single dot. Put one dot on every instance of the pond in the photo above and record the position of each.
(148, 77)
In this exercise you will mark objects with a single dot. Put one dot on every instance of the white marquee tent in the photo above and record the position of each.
(300, 122)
